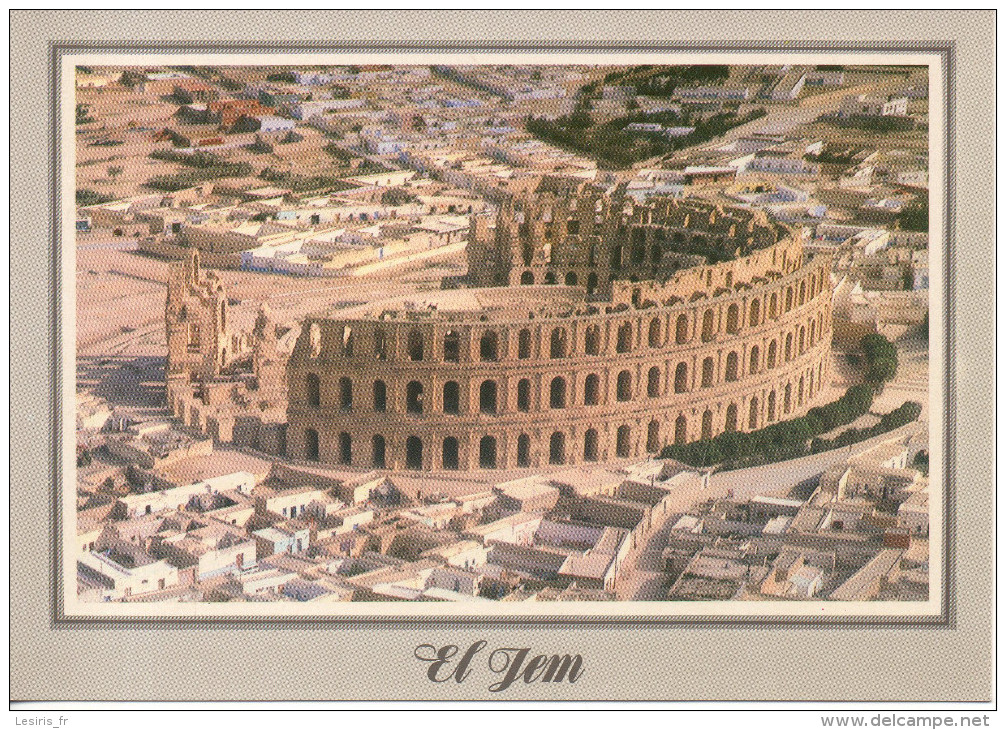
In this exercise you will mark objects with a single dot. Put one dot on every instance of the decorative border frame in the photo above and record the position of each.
(946, 619)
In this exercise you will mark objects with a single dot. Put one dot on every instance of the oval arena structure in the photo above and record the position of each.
(596, 328)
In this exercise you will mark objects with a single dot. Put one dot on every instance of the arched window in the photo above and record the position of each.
(799, 393)
(803, 292)
(413, 453)
(624, 387)
(681, 378)
(345, 394)
(452, 346)
(622, 441)
(592, 340)
(800, 340)
(414, 397)
(591, 390)
(773, 351)
(753, 415)
(731, 422)
(653, 437)
(377, 449)
(380, 396)
(487, 396)
(681, 330)
(311, 444)
(733, 319)
(449, 453)
(773, 307)
(313, 390)
(557, 448)
(813, 333)
(753, 359)
(380, 345)
(571, 279)
(707, 372)
(487, 452)
(591, 283)
(524, 395)
(489, 347)
(654, 334)
(524, 344)
(590, 445)
(730, 375)
(789, 298)
(616, 257)
(707, 325)
(523, 450)
(653, 382)
(557, 393)
(789, 347)
(557, 344)
(527, 278)
(452, 397)
(755, 315)
(787, 398)
(707, 425)
(345, 448)
(771, 406)
(680, 430)
(415, 346)
(624, 343)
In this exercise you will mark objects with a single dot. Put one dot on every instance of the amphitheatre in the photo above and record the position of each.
(590, 328)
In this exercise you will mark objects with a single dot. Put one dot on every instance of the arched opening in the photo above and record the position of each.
(707, 425)
(591, 390)
(789, 298)
(681, 330)
(487, 452)
(789, 347)
(557, 393)
(616, 257)
(311, 444)
(590, 445)
(707, 372)
(753, 415)
(681, 378)
(487, 396)
(489, 347)
(755, 314)
(799, 392)
(753, 358)
(622, 444)
(313, 390)
(571, 279)
(345, 448)
(557, 343)
(803, 292)
(653, 437)
(527, 278)
(624, 386)
(730, 425)
(800, 340)
(380, 345)
(524, 395)
(773, 307)
(414, 397)
(707, 325)
(524, 344)
(591, 283)
(449, 453)
(413, 453)
(654, 334)
(592, 340)
(787, 398)
(733, 319)
(653, 382)
(771, 406)
(377, 448)
(624, 342)
(452, 397)
(415, 346)
(557, 448)
(813, 333)
(773, 351)
(730, 375)
(680, 430)
(452, 346)
(523, 450)
(380, 396)
(345, 394)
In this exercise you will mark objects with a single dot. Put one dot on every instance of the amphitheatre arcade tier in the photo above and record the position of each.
(600, 329)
